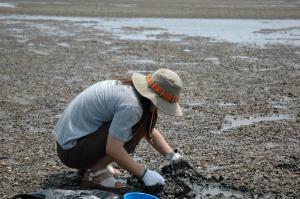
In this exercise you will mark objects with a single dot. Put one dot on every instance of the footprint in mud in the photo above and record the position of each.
(188, 183)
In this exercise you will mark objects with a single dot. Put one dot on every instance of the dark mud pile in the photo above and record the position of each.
(241, 106)
(188, 183)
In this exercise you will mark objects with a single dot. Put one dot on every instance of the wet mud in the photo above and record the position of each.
(188, 183)
(241, 102)
(180, 183)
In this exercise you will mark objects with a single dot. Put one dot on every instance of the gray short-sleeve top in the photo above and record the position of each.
(105, 101)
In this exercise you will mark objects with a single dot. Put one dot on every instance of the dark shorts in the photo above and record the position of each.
(89, 149)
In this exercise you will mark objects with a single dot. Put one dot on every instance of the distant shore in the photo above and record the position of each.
(155, 8)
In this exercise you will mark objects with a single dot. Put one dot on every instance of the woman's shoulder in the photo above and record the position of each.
(116, 91)
(130, 98)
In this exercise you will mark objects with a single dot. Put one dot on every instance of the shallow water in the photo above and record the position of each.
(65, 45)
(245, 58)
(141, 61)
(51, 30)
(41, 52)
(249, 31)
(7, 5)
(214, 191)
(224, 104)
(231, 122)
(214, 60)
(4, 78)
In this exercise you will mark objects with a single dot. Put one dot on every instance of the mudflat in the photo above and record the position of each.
(241, 96)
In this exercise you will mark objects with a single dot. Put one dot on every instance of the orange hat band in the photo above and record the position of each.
(161, 92)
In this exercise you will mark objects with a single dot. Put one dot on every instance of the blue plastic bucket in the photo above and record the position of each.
(138, 195)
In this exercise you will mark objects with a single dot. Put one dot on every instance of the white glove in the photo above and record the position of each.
(178, 161)
(152, 178)
(175, 157)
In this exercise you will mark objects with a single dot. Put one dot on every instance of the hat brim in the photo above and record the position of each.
(141, 85)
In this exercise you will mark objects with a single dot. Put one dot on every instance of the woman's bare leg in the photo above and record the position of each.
(102, 164)
(105, 163)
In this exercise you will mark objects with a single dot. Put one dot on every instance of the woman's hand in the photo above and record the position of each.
(178, 161)
(161, 145)
(152, 178)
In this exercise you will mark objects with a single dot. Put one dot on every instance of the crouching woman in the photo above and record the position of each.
(106, 121)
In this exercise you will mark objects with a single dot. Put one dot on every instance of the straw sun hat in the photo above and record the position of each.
(162, 88)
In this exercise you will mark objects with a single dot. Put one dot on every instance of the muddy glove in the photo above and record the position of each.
(151, 178)
(178, 161)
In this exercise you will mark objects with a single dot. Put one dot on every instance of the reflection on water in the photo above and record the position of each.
(7, 5)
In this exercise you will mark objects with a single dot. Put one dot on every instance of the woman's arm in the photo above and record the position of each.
(159, 143)
(115, 149)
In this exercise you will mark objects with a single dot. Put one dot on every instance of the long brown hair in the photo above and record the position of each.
(145, 126)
